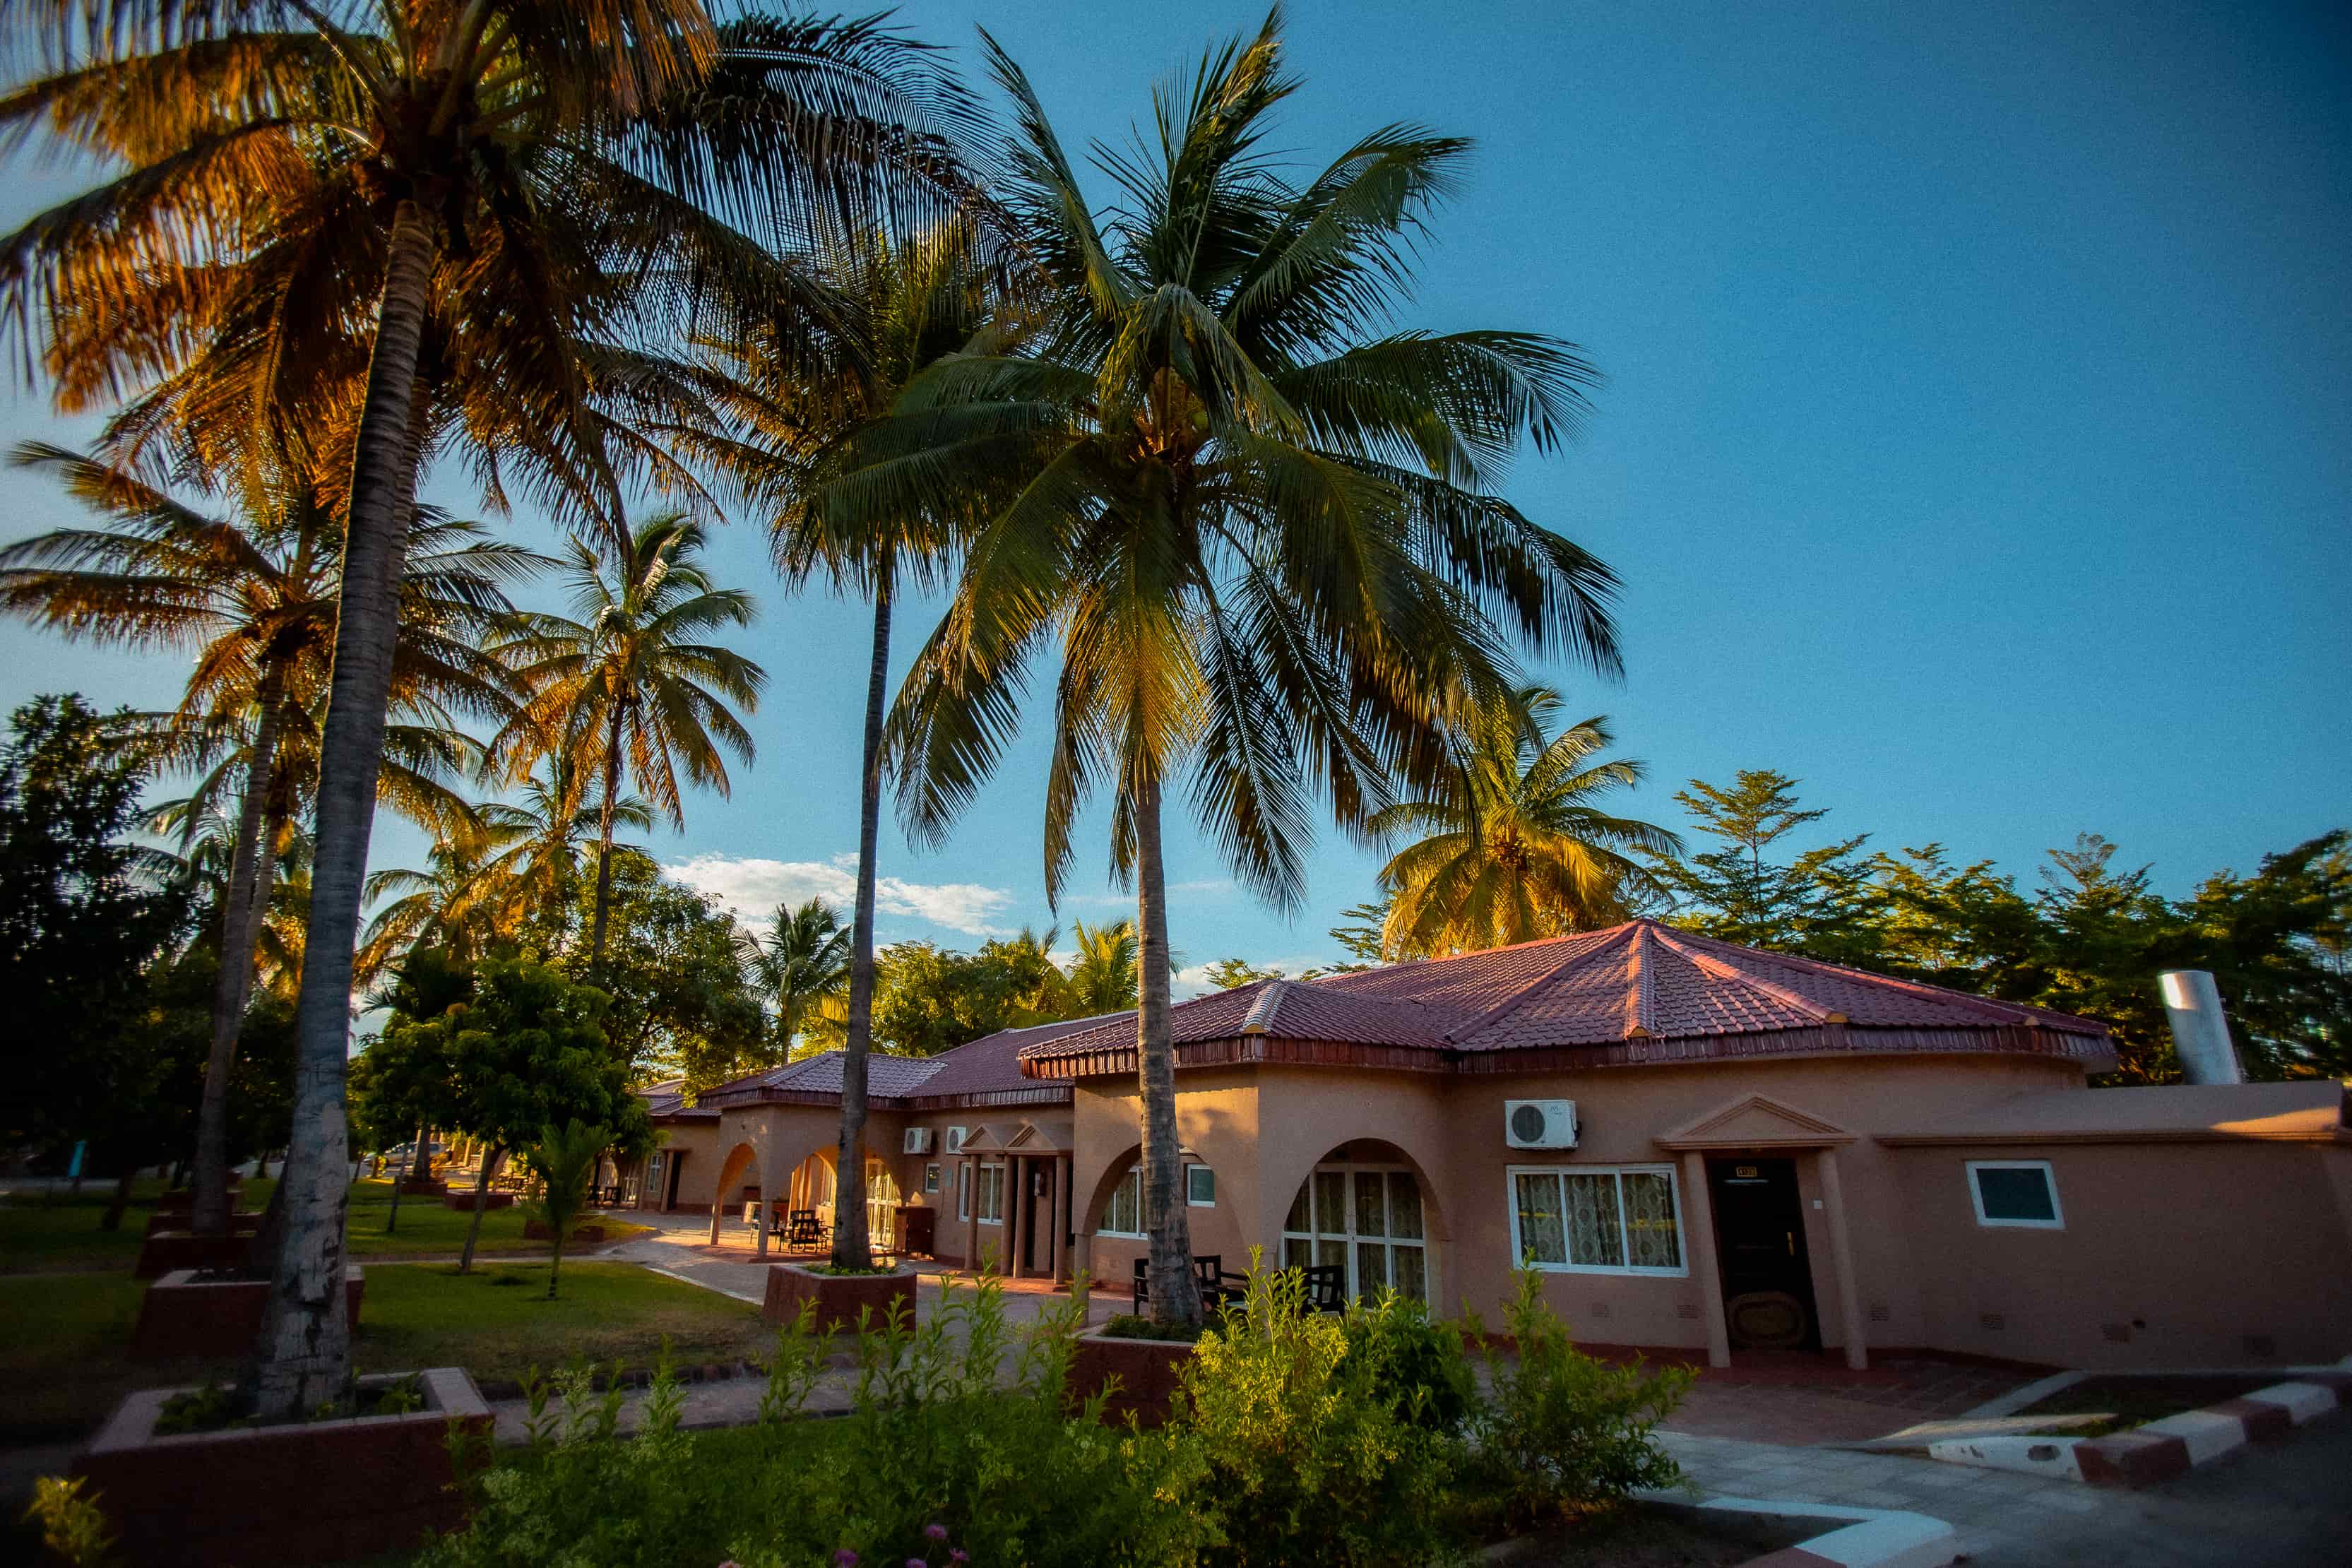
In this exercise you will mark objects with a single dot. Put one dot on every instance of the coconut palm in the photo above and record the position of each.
(1102, 976)
(538, 172)
(251, 597)
(626, 686)
(803, 965)
(807, 420)
(534, 870)
(1515, 847)
(1262, 538)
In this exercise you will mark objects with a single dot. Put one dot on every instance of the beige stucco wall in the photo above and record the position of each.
(2198, 1252)
(699, 1143)
(1266, 1128)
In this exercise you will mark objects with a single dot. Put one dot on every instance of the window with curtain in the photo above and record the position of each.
(991, 1194)
(1367, 1218)
(1123, 1216)
(1598, 1219)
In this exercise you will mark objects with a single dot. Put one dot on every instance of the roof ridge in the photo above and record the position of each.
(1805, 1005)
(1264, 1007)
(1611, 936)
(2009, 1012)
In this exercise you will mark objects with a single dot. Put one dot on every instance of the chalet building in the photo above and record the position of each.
(1699, 1146)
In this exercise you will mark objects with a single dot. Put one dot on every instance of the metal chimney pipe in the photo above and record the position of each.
(2200, 1035)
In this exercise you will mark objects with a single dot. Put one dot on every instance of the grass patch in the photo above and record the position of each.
(1128, 1326)
(2130, 1402)
(64, 1340)
(43, 1232)
(40, 1236)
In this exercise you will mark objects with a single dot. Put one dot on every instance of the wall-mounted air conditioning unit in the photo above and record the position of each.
(1540, 1124)
(955, 1136)
(919, 1141)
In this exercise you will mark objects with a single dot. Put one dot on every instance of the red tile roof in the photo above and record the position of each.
(1637, 992)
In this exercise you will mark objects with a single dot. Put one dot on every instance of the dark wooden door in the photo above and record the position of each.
(676, 1162)
(1759, 1231)
(1036, 1231)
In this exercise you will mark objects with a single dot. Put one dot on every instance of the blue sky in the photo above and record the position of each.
(1976, 444)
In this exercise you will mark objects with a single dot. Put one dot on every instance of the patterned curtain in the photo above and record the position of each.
(1651, 1235)
(1539, 1230)
(1594, 1235)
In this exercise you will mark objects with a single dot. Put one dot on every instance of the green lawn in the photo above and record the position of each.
(37, 1235)
(62, 1337)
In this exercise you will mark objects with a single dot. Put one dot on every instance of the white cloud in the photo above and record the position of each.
(750, 888)
(1193, 980)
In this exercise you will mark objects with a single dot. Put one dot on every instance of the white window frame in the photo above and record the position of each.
(1350, 1238)
(2057, 1220)
(1519, 1259)
(963, 1190)
(931, 1176)
(982, 1202)
(1135, 1175)
(1191, 1201)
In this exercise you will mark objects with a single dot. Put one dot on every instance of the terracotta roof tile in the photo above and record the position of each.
(1636, 982)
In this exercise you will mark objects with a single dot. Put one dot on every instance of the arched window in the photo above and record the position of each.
(1366, 1216)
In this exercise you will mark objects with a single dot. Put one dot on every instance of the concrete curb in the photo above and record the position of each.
(1871, 1537)
(2165, 1448)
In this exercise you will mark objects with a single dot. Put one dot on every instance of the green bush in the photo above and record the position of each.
(1303, 1455)
(1561, 1430)
(1415, 1361)
(956, 1442)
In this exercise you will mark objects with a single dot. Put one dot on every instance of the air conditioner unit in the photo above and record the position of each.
(919, 1141)
(955, 1136)
(1540, 1124)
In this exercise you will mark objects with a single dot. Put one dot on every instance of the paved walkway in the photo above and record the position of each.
(1809, 1400)
(2281, 1505)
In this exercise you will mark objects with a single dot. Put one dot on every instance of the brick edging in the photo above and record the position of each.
(2163, 1449)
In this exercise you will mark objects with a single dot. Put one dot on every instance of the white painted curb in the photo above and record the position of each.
(2049, 1456)
(2208, 1435)
(1878, 1536)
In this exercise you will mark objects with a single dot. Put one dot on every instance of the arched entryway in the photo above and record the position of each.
(739, 1171)
(1366, 1206)
(811, 1184)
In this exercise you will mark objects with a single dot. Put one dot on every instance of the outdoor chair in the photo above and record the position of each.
(1327, 1287)
(804, 1230)
(1217, 1287)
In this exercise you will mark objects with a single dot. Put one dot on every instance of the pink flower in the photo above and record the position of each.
(915, 1562)
(958, 1556)
(935, 1533)
(844, 1558)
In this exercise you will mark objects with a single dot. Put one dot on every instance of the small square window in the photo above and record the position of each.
(1199, 1186)
(2015, 1192)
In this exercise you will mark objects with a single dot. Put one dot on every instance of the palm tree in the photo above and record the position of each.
(1263, 541)
(905, 308)
(1102, 977)
(1514, 847)
(533, 875)
(625, 686)
(802, 964)
(538, 172)
(252, 599)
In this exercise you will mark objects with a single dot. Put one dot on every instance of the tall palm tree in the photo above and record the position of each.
(533, 873)
(534, 170)
(1262, 539)
(627, 684)
(252, 597)
(1515, 847)
(808, 420)
(1102, 977)
(802, 964)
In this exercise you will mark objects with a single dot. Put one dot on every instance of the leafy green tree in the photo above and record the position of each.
(631, 683)
(82, 920)
(1740, 893)
(1262, 535)
(401, 1083)
(681, 998)
(927, 1000)
(1229, 973)
(1362, 934)
(564, 1160)
(803, 966)
(1517, 846)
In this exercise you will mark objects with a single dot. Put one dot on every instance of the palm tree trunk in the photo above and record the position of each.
(481, 1195)
(302, 1355)
(1175, 1294)
(604, 835)
(399, 1181)
(851, 1246)
(241, 916)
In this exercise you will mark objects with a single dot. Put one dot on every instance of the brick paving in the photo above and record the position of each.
(1801, 1401)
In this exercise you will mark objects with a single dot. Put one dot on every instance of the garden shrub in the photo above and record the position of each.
(1303, 1455)
(957, 1443)
(1561, 1430)
(1416, 1361)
